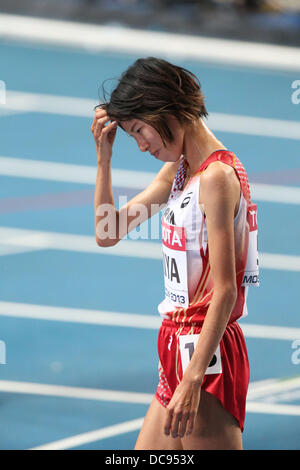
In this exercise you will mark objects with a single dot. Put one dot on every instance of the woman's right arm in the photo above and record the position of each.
(112, 225)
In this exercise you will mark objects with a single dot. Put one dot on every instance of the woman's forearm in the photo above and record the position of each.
(105, 210)
(211, 334)
(104, 133)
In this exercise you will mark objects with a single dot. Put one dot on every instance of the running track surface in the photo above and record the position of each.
(78, 323)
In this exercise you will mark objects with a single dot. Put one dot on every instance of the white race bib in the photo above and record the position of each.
(175, 264)
(187, 345)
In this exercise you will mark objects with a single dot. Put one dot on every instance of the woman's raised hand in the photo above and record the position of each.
(104, 135)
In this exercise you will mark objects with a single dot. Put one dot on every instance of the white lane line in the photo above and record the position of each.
(250, 125)
(7, 249)
(262, 389)
(139, 180)
(257, 390)
(129, 320)
(83, 393)
(42, 240)
(127, 40)
(279, 262)
(50, 104)
(18, 101)
(92, 436)
(74, 315)
(275, 193)
(270, 331)
(70, 173)
(77, 243)
(272, 408)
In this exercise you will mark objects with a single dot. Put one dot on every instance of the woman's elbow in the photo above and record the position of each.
(106, 231)
(232, 295)
(107, 242)
(227, 294)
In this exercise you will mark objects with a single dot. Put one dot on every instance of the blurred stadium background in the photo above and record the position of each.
(254, 20)
(78, 324)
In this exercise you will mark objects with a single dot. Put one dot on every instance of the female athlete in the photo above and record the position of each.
(209, 236)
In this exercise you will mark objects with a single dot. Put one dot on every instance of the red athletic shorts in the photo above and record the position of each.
(227, 376)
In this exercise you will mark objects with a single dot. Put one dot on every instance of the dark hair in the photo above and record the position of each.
(150, 90)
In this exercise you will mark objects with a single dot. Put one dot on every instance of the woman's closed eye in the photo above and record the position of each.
(137, 132)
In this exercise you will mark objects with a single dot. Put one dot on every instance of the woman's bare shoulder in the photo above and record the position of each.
(219, 178)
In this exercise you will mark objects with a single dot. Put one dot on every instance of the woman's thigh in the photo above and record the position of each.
(215, 428)
(152, 436)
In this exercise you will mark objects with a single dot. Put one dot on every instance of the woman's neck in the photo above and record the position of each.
(199, 144)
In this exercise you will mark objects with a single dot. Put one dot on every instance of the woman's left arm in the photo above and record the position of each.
(220, 193)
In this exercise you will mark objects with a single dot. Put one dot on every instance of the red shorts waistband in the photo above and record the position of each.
(175, 324)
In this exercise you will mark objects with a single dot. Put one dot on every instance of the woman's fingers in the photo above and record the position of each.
(109, 132)
(193, 411)
(98, 114)
(190, 423)
(180, 424)
(168, 421)
(100, 124)
(183, 423)
(182, 411)
(175, 424)
(104, 133)
(109, 126)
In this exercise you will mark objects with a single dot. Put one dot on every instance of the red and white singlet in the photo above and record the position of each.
(189, 289)
(188, 280)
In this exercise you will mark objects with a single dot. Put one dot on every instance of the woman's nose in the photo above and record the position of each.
(143, 145)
